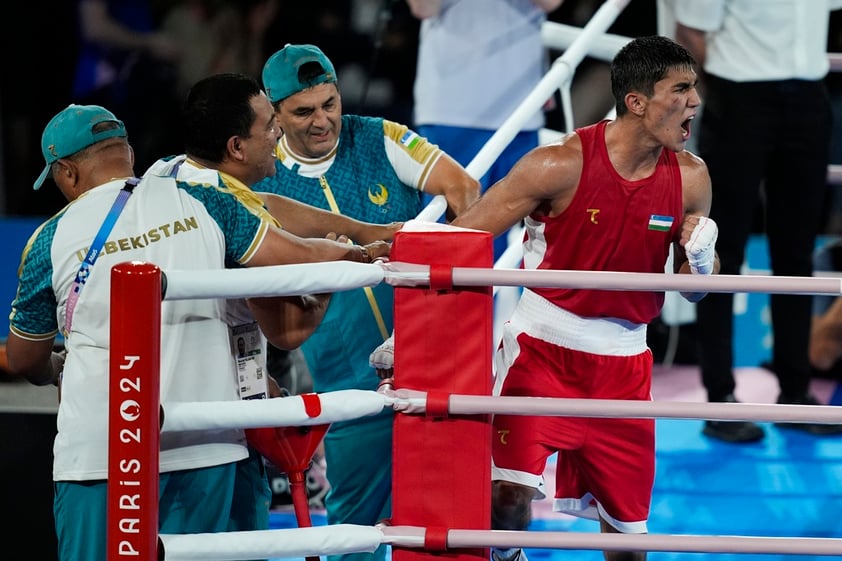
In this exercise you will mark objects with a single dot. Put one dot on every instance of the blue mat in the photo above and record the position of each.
(789, 485)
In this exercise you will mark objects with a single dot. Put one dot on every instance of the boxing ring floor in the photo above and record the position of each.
(789, 484)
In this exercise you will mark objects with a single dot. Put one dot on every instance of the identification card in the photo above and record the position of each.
(247, 346)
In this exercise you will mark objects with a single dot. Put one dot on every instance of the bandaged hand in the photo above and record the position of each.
(382, 359)
(700, 248)
(404, 401)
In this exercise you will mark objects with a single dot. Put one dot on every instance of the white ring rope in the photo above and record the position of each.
(409, 536)
(278, 280)
(260, 544)
(560, 36)
(626, 409)
(350, 538)
(346, 405)
(834, 174)
(514, 252)
(341, 405)
(434, 209)
(835, 60)
(287, 280)
(409, 274)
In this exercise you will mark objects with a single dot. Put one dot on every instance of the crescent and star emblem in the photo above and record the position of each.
(378, 194)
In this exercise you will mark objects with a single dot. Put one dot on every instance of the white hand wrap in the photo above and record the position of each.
(383, 357)
(700, 249)
(405, 401)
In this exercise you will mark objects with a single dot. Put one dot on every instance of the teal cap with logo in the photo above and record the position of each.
(282, 76)
(72, 130)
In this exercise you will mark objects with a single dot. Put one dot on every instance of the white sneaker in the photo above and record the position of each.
(512, 554)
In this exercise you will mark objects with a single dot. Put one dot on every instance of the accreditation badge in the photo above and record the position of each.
(247, 347)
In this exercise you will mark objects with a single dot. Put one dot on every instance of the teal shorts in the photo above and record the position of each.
(190, 501)
(359, 470)
(252, 495)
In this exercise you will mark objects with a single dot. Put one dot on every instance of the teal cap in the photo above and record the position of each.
(73, 130)
(281, 76)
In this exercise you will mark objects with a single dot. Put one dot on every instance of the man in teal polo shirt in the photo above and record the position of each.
(371, 169)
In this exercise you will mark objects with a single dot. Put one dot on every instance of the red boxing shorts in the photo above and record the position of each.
(605, 466)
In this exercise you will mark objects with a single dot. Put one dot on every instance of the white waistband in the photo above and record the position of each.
(605, 336)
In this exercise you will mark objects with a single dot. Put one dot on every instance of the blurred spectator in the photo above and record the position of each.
(218, 36)
(826, 328)
(477, 61)
(126, 63)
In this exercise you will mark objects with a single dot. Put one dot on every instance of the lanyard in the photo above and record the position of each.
(369, 293)
(95, 250)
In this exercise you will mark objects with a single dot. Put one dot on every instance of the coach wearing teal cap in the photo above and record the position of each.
(64, 286)
(281, 76)
(72, 130)
(371, 169)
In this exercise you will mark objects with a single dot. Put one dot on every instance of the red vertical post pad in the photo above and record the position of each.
(442, 464)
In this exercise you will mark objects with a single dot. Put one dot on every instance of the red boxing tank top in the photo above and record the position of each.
(611, 225)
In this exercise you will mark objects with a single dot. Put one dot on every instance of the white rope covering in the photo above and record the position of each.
(626, 409)
(260, 544)
(342, 405)
(410, 536)
(434, 209)
(414, 402)
(834, 174)
(345, 405)
(514, 252)
(278, 280)
(349, 538)
(560, 36)
(835, 60)
(343, 275)
(410, 274)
